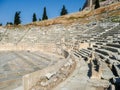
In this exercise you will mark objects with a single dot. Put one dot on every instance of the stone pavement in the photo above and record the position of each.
(19, 88)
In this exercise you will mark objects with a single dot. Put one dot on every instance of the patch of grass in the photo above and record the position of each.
(115, 19)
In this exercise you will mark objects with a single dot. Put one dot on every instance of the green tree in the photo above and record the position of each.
(97, 4)
(85, 5)
(44, 17)
(17, 20)
(63, 11)
(9, 23)
(0, 24)
(34, 19)
(39, 19)
(80, 9)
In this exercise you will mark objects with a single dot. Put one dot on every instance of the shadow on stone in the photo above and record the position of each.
(90, 70)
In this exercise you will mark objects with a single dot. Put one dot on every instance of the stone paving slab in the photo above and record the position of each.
(19, 88)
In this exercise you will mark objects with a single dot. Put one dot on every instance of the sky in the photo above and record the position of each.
(28, 7)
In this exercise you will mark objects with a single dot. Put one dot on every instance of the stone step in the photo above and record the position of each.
(81, 54)
(86, 51)
(113, 49)
(114, 45)
(102, 52)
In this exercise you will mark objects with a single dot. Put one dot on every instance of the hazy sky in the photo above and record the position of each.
(28, 7)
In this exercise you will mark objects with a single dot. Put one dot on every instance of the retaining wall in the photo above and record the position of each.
(30, 80)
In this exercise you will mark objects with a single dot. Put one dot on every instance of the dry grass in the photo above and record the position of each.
(81, 17)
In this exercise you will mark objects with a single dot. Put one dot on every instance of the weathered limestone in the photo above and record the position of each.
(51, 76)
(106, 72)
(93, 72)
(96, 67)
(15, 64)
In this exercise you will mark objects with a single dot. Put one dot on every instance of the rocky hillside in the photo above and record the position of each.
(84, 17)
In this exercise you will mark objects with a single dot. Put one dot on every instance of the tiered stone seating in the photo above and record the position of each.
(97, 68)
(13, 36)
(102, 52)
(112, 32)
(2, 33)
(82, 54)
(95, 30)
(16, 64)
(86, 51)
(114, 45)
(111, 66)
(112, 49)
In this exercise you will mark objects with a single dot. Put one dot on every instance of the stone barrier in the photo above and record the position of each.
(50, 76)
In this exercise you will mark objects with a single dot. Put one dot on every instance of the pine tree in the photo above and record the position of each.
(63, 11)
(17, 18)
(80, 9)
(44, 17)
(0, 24)
(39, 19)
(34, 19)
(85, 5)
(97, 4)
(9, 23)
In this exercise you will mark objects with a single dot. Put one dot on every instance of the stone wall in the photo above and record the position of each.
(30, 47)
(30, 81)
